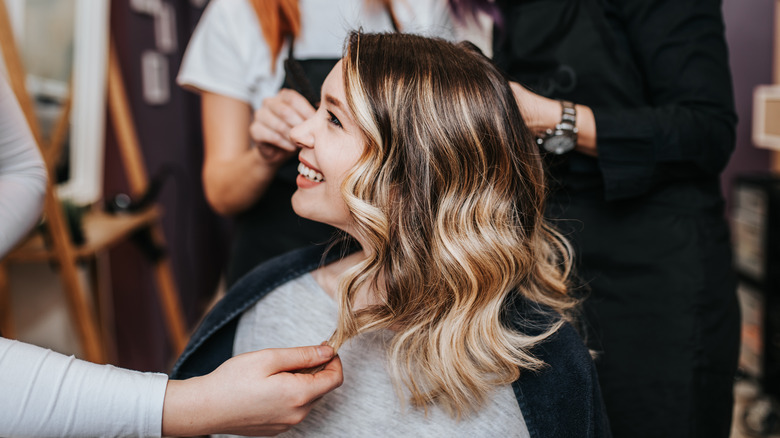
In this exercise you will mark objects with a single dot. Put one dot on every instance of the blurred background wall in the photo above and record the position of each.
(749, 32)
(167, 120)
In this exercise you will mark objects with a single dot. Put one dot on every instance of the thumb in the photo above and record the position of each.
(326, 380)
(291, 359)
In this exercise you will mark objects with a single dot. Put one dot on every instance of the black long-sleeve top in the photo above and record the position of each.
(654, 72)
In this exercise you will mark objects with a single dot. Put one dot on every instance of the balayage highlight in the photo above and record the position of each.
(448, 199)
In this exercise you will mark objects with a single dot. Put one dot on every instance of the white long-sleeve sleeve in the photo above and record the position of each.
(47, 394)
(22, 173)
(43, 393)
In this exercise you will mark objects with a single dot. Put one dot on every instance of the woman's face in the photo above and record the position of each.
(331, 144)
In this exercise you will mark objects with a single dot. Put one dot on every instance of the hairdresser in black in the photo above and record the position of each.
(635, 161)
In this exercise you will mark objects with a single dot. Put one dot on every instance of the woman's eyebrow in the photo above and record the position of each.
(334, 102)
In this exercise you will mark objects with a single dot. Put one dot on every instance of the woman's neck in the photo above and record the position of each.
(329, 277)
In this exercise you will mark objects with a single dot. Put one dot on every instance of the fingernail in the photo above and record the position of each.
(325, 351)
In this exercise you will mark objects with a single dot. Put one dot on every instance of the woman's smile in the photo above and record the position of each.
(308, 176)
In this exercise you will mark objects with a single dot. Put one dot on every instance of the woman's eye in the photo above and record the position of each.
(334, 120)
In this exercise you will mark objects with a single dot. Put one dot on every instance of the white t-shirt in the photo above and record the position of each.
(228, 55)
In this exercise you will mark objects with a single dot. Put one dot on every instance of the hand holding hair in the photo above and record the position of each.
(251, 394)
(270, 128)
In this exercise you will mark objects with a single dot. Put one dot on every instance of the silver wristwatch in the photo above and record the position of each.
(563, 138)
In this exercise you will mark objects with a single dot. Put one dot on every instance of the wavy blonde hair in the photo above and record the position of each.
(449, 196)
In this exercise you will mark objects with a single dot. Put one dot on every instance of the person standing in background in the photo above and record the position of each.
(632, 102)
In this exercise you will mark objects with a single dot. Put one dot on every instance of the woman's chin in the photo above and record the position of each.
(305, 209)
(312, 206)
(298, 205)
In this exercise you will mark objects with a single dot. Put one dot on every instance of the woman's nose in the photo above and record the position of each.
(301, 135)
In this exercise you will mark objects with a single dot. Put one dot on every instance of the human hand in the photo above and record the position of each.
(251, 394)
(542, 113)
(539, 113)
(273, 121)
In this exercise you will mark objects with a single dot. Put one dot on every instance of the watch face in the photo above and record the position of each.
(558, 144)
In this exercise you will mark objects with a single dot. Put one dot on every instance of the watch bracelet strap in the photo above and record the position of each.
(568, 123)
(568, 114)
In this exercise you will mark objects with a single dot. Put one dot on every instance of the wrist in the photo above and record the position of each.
(552, 114)
(184, 411)
(586, 135)
(562, 137)
(546, 115)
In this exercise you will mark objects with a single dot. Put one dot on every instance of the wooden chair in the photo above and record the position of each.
(102, 230)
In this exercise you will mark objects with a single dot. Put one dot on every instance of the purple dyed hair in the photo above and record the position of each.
(465, 8)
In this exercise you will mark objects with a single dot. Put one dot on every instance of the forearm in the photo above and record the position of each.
(185, 412)
(542, 113)
(234, 185)
(640, 147)
(644, 147)
(46, 394)
(586, 135)
(235, 173)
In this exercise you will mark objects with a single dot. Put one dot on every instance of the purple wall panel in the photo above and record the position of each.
(749, 32)
(170, 135)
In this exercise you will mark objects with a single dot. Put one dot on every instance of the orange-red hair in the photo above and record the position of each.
(278, 19)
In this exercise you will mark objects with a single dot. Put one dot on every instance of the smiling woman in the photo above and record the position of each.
(447, 300)
(331, 144)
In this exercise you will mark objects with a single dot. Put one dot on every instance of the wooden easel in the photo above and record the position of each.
(102, 230)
